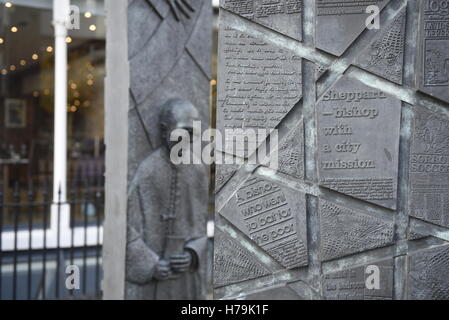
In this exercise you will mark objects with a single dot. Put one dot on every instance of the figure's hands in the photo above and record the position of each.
(182, 262)
(179, 7)
(162, 270)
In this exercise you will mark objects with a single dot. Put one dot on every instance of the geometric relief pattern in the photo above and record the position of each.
(350, 284)
(233, 263)
(339, 23)
(414, 235)
(338, 207)
(279, 293)
(259, 83)
(429, 168)
(385, 55)
(281, 15)
(223, 172)
(428, 277)
(345, 231)
(291, 153)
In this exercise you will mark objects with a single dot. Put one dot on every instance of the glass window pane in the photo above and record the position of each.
(27, 105)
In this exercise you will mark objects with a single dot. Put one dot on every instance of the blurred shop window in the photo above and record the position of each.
(27, 101)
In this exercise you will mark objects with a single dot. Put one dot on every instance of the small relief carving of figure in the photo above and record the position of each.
(167, 211)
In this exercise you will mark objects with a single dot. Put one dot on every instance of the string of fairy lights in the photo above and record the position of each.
(35, 57)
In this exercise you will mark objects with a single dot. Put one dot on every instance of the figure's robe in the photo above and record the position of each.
(149, 197)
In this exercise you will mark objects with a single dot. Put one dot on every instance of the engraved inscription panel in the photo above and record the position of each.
(351, 284)
(339, 23)
(358, 141)
(429, 168)
(274, 217)
(284, 16)
(434, 77)
(258, 82)
(385, 55)
(344, 231)
(415, 231)
(233, 263)
(428, 278)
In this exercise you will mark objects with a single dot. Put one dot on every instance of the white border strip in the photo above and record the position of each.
(91, 236)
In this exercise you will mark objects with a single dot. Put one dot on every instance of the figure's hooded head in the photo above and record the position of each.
(177, 114)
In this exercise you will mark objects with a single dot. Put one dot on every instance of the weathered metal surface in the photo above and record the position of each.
(385, 55)
(429, 168)
(345, 231)
(428, 278)
(361, 190)
(284, 16)
(339, 23)
(358, 283)
(434, 44)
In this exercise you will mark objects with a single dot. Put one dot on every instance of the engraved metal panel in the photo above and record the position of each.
(339, 23)
(284, 16)
(274, 293)
(223, 172)
(291, 153)
(429, 168)
(274, 217)
(233, 263)
(428, 278)
(385, 55)
(258, 83)
(434, 44)
(415, 231)
(345, 158)
(358, 141)
(351, 284)
(345, 231)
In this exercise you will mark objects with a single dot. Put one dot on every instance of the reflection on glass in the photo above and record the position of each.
(27, 103)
